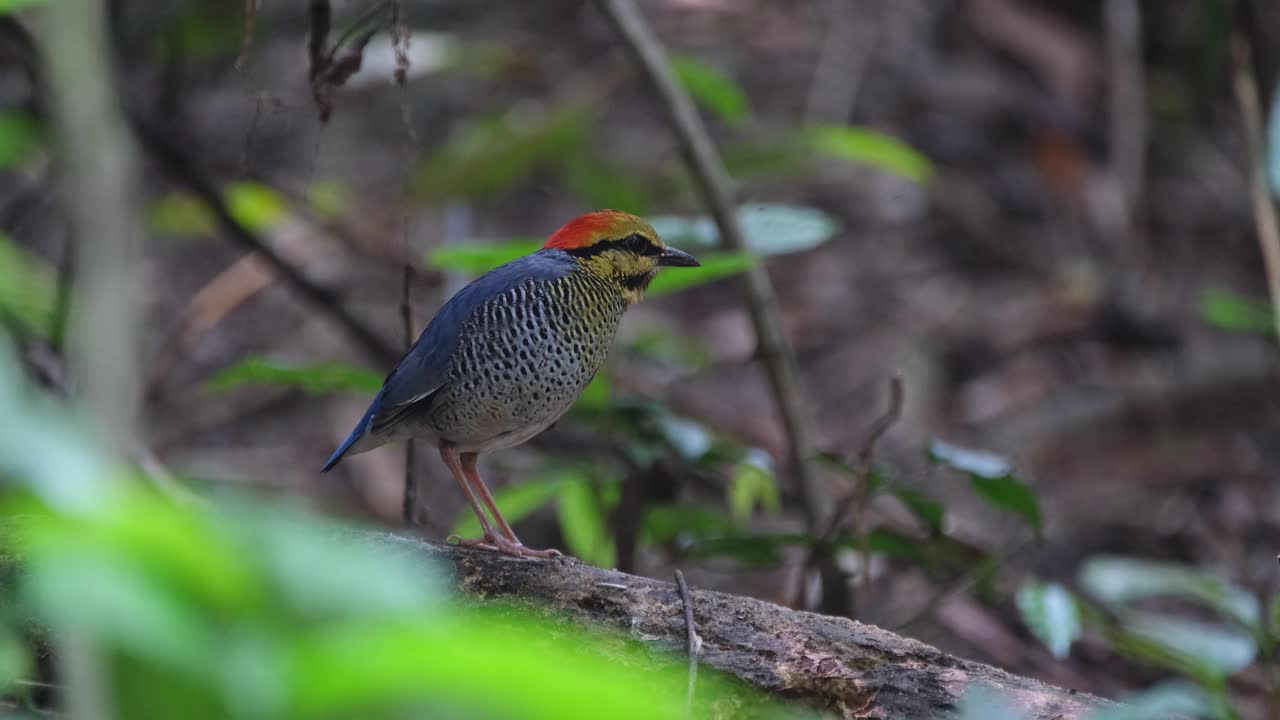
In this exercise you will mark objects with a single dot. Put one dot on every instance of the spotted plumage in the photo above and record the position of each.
(512, 351)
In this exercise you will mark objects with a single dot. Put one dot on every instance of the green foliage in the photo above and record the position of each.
(491, 155)
(254, 205)
(1051, 612)
(992, 478)
(27, 288)
(584, 522)
(770, 229)
(871, 148)
(239, 608)
(752, 485)
(315, 379)
(19, 136)
(715, 266)
(1229, 311)
(713, 89)
(8, 7)
(1122, 581)
(517, 500)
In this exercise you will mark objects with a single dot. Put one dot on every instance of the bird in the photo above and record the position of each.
(509, 354)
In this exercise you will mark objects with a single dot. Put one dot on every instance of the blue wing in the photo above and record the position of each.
(424, 369)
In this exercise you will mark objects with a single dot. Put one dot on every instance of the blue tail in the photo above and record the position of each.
(361, 428)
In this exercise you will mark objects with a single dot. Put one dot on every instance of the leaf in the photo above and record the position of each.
(690, 438)
(752, 484)
(1173, 699)
(492, 155)
(712, 88)
(517, 501)
(318, 379)
(892, 543)
(477, 259)
(1011, 494)
(977, 462)
(254, 205)
(599, 184)
(992, 478)
(582, 520)
(596, 397)
(981, 703)
(27, 288)
(11, 6)
(1216, 650)
(19, 135)
(1120, 581)
(770, 229)
(871, 148)
(663, 524)
(1229, 311)
(1051, 612)
(15, 661)
(715, 266)
(923, 506)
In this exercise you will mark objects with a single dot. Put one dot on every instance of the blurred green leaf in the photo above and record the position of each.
(750, 549)
(478, 258)
(1216, 650)
(977, 462)
(770, 229)
(583, 522)
(517, 501)
(15, 661)
(1051, 612)
(492, 155)
(889, 542)
(923, 506)
(690, 438)
(599, 184)
(992, 478)
(871, 148)
(318, 379)
(12, 6)
(328, 198)
(712, 88)
(1230, 311)
(752, 485)
(664, 524)
(254, 205)
(1274, 614)
(1174, 699)
(715, 266)
(27, 288)
(597, 396)
(19, 135)
(1011, 494)
(1122, 580)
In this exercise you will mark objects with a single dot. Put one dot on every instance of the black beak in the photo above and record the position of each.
(672, 257)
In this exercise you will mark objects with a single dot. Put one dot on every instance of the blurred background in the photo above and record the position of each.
(1039, 216)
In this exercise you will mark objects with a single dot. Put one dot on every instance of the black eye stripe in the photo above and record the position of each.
(635, 243)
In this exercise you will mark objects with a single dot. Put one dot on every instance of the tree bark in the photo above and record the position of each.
(844, 667)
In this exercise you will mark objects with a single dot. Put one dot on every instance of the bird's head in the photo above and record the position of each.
(620, 248)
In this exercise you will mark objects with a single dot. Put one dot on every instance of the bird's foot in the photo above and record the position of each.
(503, 545)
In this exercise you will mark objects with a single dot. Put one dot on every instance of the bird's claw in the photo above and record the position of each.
(503, 545)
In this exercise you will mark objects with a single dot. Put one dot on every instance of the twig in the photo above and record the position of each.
(693, 643)
(97, 157)
(716, 188)
(400, 41)
(177, 163)
(251, 8)
(966, 580)
(1128, 106)
(1264, 211)
(848, 44)
(858, 496)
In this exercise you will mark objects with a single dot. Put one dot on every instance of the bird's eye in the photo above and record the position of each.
(641, 245)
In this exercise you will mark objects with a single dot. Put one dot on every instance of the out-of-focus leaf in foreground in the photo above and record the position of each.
(316, 379)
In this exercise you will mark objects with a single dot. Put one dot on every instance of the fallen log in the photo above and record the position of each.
(842, 666)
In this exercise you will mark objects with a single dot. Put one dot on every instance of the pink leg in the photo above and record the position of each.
(479, 488)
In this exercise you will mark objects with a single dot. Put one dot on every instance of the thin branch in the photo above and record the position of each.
(96, 160)
(1127, 114)
(251, 8)
(693, 643)
(400, 41)
(181, 167)
(859, 495)
(1264, 210)
(716, 188)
